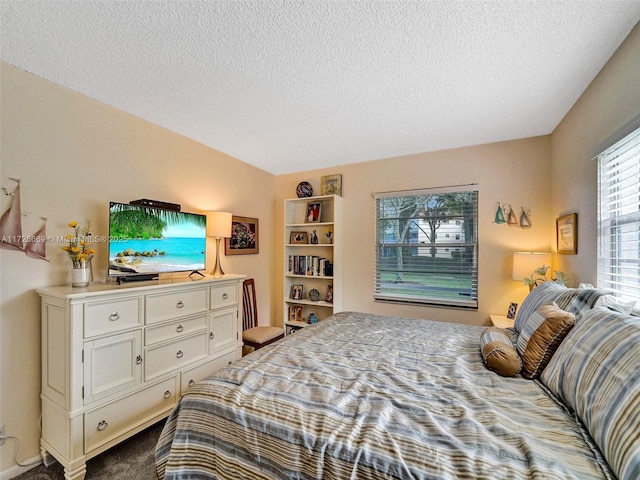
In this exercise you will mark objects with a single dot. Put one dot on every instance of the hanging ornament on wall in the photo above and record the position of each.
(499, 218)
(512, 220)
(525, 218)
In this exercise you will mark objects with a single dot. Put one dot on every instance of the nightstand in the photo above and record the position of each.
(501, 321)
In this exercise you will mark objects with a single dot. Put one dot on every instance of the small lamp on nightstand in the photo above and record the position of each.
(219, 227)
(526, 263)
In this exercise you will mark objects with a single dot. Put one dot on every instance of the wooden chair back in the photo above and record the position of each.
(249, 307)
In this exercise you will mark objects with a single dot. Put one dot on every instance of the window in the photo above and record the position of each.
(416, 259)
(619, 217)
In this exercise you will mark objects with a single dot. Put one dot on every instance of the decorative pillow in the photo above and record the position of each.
(579, 300)
(498, 352)
(596, 372)
(541, 336)
(574, 300)
(543, 294)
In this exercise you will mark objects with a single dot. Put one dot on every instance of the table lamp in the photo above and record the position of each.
(219, 227)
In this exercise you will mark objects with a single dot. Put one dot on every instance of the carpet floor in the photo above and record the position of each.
(131, 460)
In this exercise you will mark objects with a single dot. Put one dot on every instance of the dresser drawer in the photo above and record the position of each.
(166, 306)
(224, 295)
(109, 421)
(170, 356)
(167, 331)
(112, 316)
(193, 375)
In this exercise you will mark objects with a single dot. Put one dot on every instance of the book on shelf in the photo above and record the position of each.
(310, 265)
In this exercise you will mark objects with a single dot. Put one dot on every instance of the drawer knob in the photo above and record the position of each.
(138, 359)
(211, 335)
(225, 296)
(114, 316)
(192, 383)
(180, 304)
(179, 328)
(102, 424)
(167, 394)
(179, 354)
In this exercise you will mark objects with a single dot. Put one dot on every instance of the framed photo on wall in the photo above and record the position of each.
(567, 233)
(244, 236)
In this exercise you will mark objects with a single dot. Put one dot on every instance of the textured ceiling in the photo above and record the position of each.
(293, 85)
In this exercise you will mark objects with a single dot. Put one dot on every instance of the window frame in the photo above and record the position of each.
(618, 194)
(463, 263)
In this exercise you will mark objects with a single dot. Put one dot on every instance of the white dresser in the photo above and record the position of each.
(116, 358)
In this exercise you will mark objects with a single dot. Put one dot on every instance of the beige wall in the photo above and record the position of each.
(74, 155)
(607, 105)
(515, 172)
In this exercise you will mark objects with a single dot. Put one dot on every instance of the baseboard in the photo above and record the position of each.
(18, 470)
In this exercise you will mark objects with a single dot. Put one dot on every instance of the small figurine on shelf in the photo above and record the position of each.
(313, 238)
(312, 318)
(328, 234)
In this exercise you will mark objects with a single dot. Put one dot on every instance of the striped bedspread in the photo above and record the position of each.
(370, 397)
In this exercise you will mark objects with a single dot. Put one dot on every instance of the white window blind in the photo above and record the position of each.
(619, 217)
(427, 246)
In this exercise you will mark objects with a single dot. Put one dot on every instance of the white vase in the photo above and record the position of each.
(81, 274)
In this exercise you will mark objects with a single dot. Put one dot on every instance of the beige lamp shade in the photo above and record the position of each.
(218, 224)
(525, 263)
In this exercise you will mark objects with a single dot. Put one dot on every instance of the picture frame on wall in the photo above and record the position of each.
(567, 233)
(244, 238)
(314, 210)
(331, 185)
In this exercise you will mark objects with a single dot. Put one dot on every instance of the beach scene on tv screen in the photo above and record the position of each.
(147, 241)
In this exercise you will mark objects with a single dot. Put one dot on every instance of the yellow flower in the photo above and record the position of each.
(79, 243)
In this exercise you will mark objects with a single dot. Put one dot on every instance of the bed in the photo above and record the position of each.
(368, 396)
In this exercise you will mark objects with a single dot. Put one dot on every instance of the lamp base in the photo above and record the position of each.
(217, 269)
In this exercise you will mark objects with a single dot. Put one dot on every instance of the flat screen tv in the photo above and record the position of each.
(145, 242)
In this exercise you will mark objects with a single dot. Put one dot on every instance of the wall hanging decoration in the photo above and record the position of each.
(304, 189)
(510, 215)
(525, 218)
(244, 238)
(499, 218)
(567, 233)
(331, 185)
(34, 246)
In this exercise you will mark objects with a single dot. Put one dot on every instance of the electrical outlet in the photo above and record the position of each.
(2, 437)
